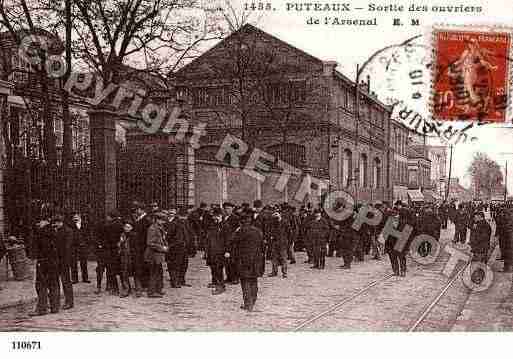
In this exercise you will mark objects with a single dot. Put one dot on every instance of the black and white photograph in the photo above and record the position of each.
(229, 166)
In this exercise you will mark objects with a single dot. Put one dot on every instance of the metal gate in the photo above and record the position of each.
(147, 173)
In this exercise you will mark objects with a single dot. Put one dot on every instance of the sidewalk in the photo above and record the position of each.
(490, 310)
(15, 293)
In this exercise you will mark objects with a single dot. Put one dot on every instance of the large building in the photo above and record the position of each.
(293, 106)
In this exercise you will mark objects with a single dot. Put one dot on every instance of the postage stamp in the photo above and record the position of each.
(472, 67)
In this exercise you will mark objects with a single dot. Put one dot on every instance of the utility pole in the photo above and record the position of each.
(357, 120)
(506, 183)
(506, 174)
(449, 179)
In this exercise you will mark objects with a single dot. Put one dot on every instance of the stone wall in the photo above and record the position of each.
(216, 184)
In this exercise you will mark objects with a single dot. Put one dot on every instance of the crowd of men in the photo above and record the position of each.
(236, 242)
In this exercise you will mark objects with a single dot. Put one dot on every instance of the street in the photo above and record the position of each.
(282, 305)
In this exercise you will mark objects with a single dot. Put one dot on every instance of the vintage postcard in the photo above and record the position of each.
(229, 166)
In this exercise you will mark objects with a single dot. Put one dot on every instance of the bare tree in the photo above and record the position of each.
(486, 174)
(156, 36)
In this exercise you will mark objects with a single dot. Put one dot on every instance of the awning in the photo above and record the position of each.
(415, 195)
(430, 196)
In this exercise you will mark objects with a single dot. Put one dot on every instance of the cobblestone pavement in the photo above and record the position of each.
(282, 304)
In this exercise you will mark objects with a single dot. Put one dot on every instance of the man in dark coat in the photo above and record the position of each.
(279, 241)
(461, 223)
(305, 217)
(246, 247)
(347, 237)
(178, 237)
(80, 248)
(46, 253)
(113, 232)
(403, 217)
(141, 270)
(317, 233)
(230, 223)
(154, 255)
(261, 221)
(102, 255)
(431, 225)
(480, 238)
(63, 237)
(216, 247)
(444, 214)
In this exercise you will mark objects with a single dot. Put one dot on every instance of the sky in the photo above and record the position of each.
(352, 45)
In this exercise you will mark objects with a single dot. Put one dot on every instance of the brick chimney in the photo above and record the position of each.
(328, 67)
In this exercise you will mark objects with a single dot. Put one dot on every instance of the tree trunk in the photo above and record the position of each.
(67, 145)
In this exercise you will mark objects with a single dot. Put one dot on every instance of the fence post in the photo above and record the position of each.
(103, 162)
(5, 90)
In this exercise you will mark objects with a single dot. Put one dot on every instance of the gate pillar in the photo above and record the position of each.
(5, 90)
(103, 162)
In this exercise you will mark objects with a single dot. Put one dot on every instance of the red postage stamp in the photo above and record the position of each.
(471, 69)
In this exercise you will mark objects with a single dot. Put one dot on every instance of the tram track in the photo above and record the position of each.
(340, 304)
(420, 318)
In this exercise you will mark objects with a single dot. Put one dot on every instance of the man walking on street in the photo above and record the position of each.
(247, 243)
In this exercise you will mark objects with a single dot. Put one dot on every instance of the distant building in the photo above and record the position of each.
(438, 157)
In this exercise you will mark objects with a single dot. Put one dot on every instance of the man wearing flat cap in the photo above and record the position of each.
(156, 250)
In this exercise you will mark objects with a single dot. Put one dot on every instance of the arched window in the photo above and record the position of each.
(363, 170)
(347, 168)
(377, 173)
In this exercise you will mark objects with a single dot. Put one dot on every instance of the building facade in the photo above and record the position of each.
(438, 157)
(399, 135)
(291, 105)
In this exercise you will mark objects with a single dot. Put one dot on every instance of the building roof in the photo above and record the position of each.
(248, 28)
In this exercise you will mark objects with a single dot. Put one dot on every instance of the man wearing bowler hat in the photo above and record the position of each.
(246, 247)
